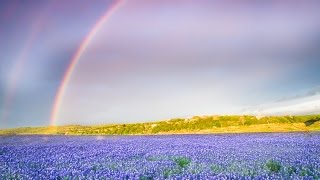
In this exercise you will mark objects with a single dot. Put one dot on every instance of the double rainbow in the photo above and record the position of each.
(76, 57)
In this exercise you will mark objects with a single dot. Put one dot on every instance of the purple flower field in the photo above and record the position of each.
(225, 156)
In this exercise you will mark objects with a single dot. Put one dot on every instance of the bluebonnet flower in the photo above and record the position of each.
(228, 156)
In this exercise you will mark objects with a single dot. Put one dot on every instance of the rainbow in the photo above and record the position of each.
(14, 77)
(17, 68)
(76, 57)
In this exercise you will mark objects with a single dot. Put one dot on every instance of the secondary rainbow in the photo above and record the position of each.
(19, 65)
(76, 57)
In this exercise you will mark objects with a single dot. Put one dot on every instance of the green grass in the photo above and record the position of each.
(273, 166)
(182, 162)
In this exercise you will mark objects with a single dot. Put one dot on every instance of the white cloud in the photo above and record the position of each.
(296, 106)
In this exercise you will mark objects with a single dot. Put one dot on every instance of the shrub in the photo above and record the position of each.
(216, 123)
(182, 161)
(273, 166)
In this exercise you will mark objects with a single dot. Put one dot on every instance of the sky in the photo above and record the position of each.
(141, 61)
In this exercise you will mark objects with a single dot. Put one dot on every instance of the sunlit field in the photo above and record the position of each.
(225, 156)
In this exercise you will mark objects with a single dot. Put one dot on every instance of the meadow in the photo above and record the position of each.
(219, 156)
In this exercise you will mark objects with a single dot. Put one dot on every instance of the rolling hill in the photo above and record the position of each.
(194, 125)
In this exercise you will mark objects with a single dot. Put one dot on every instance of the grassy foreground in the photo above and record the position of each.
(194, 125)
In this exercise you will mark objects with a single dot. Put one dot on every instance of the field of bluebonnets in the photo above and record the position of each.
(225, 156)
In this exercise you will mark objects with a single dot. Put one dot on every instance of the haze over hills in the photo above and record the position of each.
(308, 103)
(193, 125)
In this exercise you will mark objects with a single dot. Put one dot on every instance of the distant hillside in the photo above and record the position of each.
(196, 124)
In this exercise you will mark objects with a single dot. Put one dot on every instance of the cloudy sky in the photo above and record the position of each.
(152, 60)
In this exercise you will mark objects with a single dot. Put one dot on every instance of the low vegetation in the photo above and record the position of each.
(182, 162)
(196, 124)
(273, 166)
